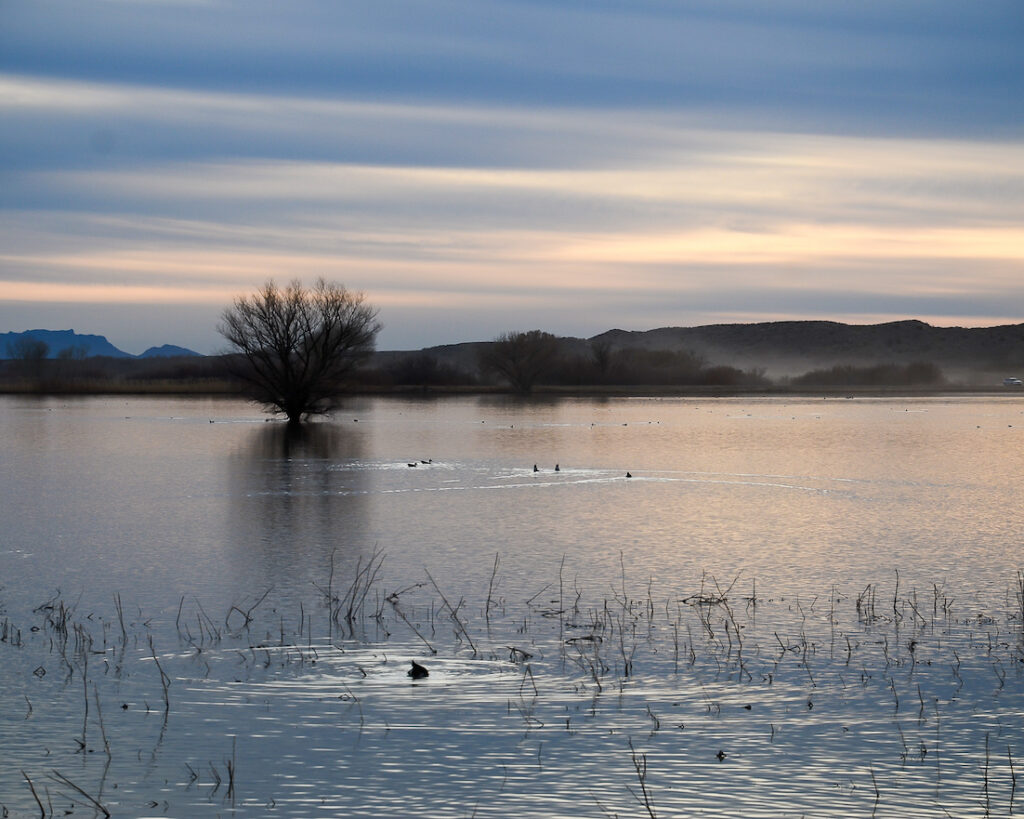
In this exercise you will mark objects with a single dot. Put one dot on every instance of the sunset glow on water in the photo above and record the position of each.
(792, 606)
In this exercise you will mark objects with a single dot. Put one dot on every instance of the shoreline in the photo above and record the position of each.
(224, 389)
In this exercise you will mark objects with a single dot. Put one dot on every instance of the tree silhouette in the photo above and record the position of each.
(521, 358)
(296, 346)
(28, 348)
(29, 355)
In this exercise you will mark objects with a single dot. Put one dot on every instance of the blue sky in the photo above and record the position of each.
(476, 167)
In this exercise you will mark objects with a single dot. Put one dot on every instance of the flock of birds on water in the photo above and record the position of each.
(558, 467)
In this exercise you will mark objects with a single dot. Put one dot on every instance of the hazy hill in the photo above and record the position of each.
(789, 348)
(793, 347)
(84, 345)
(979, 355)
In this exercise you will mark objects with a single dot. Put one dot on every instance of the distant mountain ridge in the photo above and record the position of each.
(788, 348)
(167, 351)
(84, 345)
(780, 348)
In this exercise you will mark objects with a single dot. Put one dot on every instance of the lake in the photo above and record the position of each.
(789, 607)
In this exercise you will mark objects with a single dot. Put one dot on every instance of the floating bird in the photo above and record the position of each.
(628, 475)
(535, 468)
(410, 464)
(721, 755)
(556, 468)
(418, 672)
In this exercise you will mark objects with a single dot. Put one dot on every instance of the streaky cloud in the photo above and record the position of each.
(516, 163)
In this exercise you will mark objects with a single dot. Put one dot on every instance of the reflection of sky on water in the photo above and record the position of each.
(799, 505)
(153, 495)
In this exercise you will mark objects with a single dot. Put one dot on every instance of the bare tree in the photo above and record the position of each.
(601, 355)
(521, 358)
(296, 346)
(29, 356)
(28, 348)
(76, 352)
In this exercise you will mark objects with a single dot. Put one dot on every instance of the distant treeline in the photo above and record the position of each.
(198, 374)
(526, 361)
(915, 374)
(519, 362)
(557, 367)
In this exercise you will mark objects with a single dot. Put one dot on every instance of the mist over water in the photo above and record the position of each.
(792, 606)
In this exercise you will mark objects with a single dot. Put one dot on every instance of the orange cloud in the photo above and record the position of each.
(800, 244)
(108, 293)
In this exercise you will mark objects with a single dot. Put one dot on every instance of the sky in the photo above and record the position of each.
(480, 166)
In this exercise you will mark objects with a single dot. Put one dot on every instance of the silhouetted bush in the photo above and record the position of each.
(426, 370)
(724, 376)
(523, 359)
(179, 368)
(917, 373)
(656, 367)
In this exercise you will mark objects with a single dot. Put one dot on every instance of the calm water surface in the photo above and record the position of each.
(792, 607)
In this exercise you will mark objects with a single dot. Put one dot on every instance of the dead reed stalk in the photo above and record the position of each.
(640, 766)
(232, 766)
(57, 776)
(490, 591)
(165, 681)
(246, 614)
(32, 788)
(453, 613)
(393, 599)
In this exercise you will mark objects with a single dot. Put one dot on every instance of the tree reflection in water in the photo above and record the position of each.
(299, 493)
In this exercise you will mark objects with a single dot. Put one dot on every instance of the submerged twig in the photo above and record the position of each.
(59, 777)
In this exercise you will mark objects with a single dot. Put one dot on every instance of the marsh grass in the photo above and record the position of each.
(631, 658)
